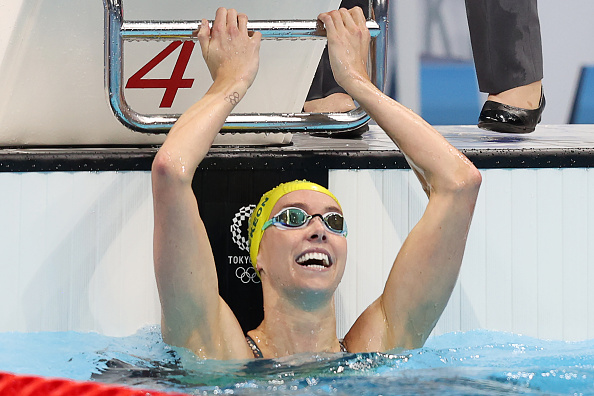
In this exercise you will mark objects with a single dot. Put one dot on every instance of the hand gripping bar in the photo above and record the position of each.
(117, 30)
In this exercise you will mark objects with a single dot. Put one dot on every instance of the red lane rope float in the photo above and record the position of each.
(29, 385)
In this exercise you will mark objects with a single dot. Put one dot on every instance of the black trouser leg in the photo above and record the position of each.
(323, 83)
(506, 43)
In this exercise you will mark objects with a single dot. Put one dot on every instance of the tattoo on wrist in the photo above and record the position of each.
(233, 98)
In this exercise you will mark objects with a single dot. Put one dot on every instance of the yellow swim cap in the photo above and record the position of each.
(262, 212)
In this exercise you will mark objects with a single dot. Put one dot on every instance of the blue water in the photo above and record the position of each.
(472, 363)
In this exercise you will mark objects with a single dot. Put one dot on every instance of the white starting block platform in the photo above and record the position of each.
(58, 59)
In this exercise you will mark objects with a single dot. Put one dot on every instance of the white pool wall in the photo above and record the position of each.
(529, 262)
(76, 250)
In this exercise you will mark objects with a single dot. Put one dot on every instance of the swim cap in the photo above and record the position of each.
(262, 211)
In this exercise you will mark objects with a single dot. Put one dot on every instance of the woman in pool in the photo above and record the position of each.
(301, 259)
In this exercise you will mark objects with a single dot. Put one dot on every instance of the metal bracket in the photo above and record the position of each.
(117, 30)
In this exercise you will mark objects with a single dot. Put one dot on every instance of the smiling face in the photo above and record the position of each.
(311, 258)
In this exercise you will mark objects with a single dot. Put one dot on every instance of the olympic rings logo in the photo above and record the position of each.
(247, 275)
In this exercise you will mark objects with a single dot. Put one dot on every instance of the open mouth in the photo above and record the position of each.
(314, 260)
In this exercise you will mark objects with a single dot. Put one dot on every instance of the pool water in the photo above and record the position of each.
(471, 363)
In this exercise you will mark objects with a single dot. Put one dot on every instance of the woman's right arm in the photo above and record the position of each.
(193, 314)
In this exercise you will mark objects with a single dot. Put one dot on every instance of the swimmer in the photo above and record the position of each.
(298, 234)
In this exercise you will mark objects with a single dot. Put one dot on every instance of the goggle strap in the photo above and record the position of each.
(268, 223)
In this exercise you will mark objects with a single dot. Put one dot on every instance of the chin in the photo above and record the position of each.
(322, 282)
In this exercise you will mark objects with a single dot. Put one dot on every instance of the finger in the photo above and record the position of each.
(337, 20)
(204, 34)
(257, 37)
(242, 20)
(358, 16)
(203, 30)
(347, 19)
(326, 20)
(232, 23)
(220, 22)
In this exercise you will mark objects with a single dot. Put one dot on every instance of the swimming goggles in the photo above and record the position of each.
(290, 218)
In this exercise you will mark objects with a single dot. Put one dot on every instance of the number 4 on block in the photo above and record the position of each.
(172, 84)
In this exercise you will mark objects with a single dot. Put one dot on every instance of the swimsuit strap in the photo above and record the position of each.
(258, 353)
(255, 350)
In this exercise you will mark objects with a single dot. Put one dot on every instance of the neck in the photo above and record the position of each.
(289, 328)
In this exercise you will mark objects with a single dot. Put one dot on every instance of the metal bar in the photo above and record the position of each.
(186, 30)
(379, 44)
(116, 30)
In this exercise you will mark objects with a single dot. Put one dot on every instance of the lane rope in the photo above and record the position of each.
(30, 385)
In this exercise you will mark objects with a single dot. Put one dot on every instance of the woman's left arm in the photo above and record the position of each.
(425, 271)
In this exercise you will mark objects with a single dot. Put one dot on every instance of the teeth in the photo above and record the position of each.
(315, 256)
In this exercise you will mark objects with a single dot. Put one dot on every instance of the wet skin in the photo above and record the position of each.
(281, 249)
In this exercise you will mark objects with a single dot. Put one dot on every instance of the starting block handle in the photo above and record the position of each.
(117, 30)
(187, 30)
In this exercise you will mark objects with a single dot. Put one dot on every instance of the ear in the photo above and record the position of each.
(259, 267)
(261, 256)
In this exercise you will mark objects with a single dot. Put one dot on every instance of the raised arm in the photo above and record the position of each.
(193, 314)
(426, 268)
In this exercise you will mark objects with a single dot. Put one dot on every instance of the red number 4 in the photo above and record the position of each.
(172, 84)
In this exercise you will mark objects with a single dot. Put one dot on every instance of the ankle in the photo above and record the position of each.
(525, 96)
(335, 103)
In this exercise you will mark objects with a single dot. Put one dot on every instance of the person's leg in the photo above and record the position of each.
(506, 43)
(325, 95)
(507, 50)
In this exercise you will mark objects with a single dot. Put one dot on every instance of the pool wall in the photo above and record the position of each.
(529, 261)
(76, 250)
(76, 247)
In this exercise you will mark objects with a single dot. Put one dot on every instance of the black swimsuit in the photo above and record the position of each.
(258, 353)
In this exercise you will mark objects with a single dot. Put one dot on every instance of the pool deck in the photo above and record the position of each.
(550, 146)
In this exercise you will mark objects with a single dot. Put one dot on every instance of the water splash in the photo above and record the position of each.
(472, 363)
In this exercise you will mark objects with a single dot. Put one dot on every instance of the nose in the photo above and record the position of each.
(317, 230)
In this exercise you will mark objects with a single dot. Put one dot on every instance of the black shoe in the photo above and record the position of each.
(500, 117)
